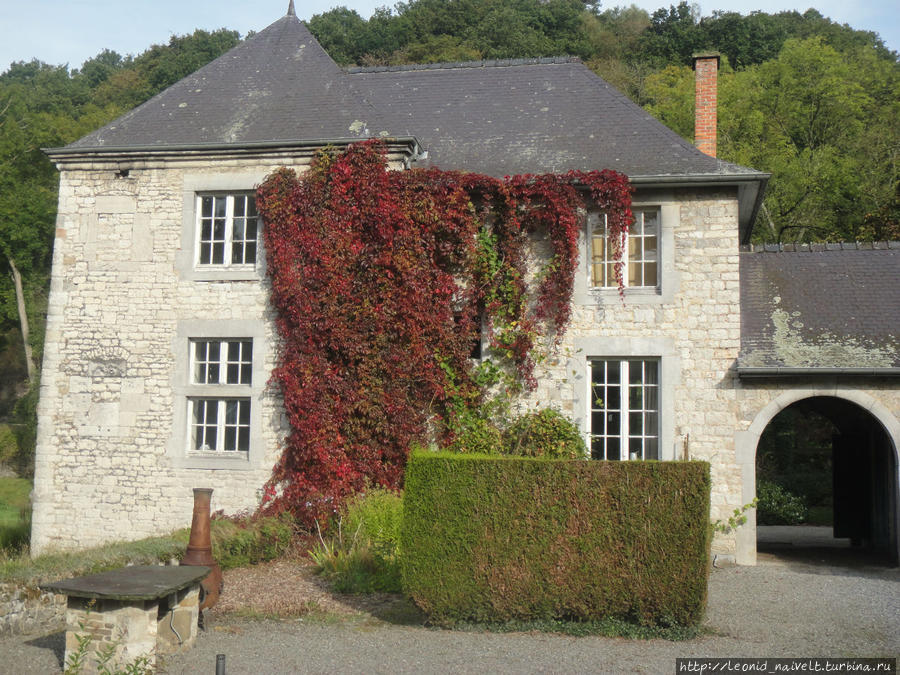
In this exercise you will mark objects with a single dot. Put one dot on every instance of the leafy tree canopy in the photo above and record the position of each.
(43, 106)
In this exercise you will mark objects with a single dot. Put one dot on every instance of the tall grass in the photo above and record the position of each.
(360, 555)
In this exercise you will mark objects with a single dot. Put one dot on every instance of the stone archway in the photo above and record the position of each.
(852, 410)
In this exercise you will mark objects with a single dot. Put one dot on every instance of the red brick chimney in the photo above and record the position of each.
(706, 66)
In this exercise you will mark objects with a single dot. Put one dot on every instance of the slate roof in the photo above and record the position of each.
(529, 116)
(279, 85)
(499, 118)
(821, 306)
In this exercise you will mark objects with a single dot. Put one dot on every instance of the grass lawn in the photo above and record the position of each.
(14, 497)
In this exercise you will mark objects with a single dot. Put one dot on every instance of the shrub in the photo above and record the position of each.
(477, 434)
(376, 515)
(26, 432)
(361, 556)
(240, 541)
(496, 539)
(545, 433)
(777, 506)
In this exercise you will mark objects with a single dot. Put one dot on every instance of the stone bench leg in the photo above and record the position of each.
(127, 629)
(177, 624)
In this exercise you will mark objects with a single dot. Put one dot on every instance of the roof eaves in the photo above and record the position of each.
(751, 186)
(69, 151)
(816, 247)
(745, 372)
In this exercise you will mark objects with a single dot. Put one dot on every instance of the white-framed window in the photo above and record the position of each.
(640, 258)
(624, 408)
(222, 371)
(227, 231)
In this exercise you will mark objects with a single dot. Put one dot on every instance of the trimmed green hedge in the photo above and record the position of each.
(496, 539)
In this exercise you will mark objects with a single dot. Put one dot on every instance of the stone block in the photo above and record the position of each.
(115, 204)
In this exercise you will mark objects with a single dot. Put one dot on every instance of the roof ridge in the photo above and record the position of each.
(819, 247)
(486, 63)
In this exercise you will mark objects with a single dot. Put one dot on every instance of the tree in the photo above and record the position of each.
(47, 106)
(344, 34)
(673, 35)
(824, 124)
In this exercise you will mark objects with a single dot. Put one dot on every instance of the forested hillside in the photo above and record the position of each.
(814, 102)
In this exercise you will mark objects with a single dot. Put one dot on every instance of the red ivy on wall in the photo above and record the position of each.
(381, 281)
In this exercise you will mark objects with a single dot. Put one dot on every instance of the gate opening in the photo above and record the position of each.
(826, 481)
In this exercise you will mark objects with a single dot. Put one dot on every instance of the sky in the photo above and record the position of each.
(61, 32)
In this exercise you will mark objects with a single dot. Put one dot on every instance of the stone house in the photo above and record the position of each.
(160, 341)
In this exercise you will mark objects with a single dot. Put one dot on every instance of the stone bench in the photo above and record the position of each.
(138, 611)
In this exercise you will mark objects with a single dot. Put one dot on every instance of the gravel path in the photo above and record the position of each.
(779, 608)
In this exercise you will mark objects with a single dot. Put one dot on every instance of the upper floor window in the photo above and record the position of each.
(640, 259)
(227, 231)
(222, 361)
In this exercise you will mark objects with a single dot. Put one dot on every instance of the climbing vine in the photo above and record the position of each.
(381, 282)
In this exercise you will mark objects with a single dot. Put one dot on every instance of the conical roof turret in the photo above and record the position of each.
(277, 86)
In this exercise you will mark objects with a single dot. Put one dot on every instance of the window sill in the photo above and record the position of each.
(222, 274)
(636, 296)
(234, 461)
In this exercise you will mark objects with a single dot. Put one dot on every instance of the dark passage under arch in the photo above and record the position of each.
(839, 460)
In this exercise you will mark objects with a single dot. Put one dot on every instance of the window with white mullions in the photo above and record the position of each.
(222, 361)
(219, 419)
(640, 259)
(227, 231)
(220, 425)
(624, 415)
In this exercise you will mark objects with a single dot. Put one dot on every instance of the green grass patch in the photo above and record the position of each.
(15, 515)
(15, 494)
(236, 542)
(53, 566)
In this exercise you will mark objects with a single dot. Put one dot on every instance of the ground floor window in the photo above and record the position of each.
(220, 425)
(624, 412)
(221, 375)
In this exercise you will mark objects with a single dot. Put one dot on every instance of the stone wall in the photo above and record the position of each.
(111, 459)
(760, 400)
(692, 324)
(109, 462)
(28, 609)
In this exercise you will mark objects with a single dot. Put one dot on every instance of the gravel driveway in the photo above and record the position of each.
(780, 608)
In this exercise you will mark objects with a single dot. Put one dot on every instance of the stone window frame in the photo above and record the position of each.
(230, 200)
(662, 349)
(194, 186)
(185, 390)
(668, 283)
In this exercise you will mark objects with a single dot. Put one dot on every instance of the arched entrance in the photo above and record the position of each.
(832, 444)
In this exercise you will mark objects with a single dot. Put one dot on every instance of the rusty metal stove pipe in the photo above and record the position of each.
(199, 549)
